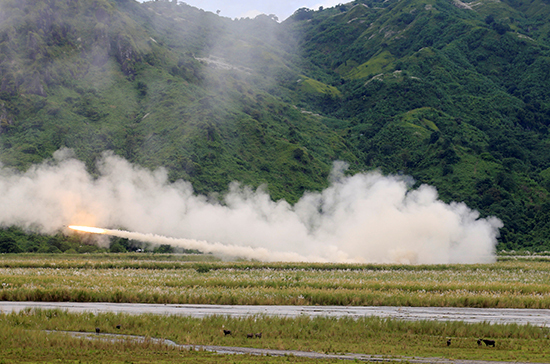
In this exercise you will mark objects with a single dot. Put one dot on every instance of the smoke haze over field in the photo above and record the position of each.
(362, 218)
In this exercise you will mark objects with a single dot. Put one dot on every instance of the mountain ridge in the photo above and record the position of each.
(452, 93)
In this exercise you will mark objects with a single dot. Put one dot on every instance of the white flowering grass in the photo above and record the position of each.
(503, 284)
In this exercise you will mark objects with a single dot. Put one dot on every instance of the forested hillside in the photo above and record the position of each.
(454, 94)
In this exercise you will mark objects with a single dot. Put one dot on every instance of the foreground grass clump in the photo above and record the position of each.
(19, 345)
(108, 278)
(374, 336)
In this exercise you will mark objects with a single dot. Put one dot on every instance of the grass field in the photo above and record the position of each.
(22, 338)
(202, 279)
(23, 346)
(175, 279)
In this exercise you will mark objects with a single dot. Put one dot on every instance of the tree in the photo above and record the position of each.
(9, 245)
(116, 247)
(501, 28)
(164, 249)
(303, 14)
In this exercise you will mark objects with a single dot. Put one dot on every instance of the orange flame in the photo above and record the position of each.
(88, 229)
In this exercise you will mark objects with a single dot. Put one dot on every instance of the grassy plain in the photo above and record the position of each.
(22, 338)
(24, 346)
(140, 278)
(202, 279)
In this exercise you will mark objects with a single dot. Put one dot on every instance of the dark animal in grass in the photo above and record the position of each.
(118, 327)
(249, 336)
(487, 342)
(97, 330)
(449, 342)
(258, 335)
(227, 332)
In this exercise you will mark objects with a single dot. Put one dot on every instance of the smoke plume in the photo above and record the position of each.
(367, 217)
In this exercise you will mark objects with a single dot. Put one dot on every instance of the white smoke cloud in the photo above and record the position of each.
(362, 218)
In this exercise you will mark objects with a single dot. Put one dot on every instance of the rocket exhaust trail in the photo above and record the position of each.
(260, 254)
(87, 229)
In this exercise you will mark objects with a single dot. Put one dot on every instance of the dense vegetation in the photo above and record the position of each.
(13, 240)
(454, 94)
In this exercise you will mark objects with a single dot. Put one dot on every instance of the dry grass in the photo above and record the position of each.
(20, 333)
(24, 346)
(169, 279)
(108, 279)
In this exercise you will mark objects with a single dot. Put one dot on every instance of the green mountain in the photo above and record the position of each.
(455, 94)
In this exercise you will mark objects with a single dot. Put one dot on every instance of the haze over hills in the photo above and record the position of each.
(454, 94)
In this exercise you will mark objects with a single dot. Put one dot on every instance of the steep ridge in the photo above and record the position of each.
(140, 80)
(454, 94)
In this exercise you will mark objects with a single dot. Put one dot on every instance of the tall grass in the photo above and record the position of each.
(370, 335)
(504, 284)
(19, 345)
